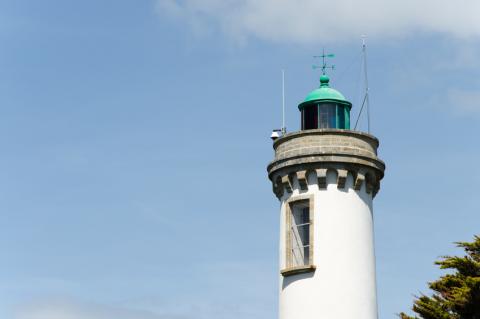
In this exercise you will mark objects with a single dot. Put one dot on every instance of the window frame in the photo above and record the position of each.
(289, 267)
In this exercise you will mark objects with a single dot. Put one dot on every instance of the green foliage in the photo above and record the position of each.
(455, 295)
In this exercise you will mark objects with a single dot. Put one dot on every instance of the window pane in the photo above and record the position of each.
(298, 256)
(300, 214)
(327, 116)
(306, 255)
(310, 117)
(303, 232)
(341, 116)
(302, 124)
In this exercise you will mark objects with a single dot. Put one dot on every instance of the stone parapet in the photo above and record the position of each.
(301, 154)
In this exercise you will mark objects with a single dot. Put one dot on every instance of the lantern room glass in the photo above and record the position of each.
(341, 116)
(310, 117)
(325, 115)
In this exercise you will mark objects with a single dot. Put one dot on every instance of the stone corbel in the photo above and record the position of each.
(321, 178)
(278, 187)
(342, 178)
(375, 191)
(287, 183)
(360, 178)
(302, 180)
(369, 187)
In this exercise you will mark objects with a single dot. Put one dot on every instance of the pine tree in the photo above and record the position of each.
(455, 295)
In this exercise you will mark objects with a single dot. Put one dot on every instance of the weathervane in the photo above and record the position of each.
(324, 65)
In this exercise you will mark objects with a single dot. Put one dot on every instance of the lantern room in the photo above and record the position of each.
(325, 108)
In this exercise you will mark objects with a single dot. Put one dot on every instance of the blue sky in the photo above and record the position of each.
(134, 140)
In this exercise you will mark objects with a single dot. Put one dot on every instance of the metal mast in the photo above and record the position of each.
(284, 129)
(367, 100)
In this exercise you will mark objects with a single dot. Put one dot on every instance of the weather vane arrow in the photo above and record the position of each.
(324, 65)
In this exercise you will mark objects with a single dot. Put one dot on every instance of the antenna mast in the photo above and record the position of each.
(284, 129)
(367, 100)
(277, 133)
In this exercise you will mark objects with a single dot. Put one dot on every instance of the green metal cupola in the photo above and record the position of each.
(325, 108)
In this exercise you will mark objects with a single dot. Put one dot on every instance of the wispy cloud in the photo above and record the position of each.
(326, 21)
(71, 309)
(215, 290)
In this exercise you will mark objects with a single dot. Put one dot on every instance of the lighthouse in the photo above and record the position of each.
(325, 177)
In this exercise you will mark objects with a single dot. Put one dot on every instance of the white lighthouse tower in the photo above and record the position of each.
(326, 177)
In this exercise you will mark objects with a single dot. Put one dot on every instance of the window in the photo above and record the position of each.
(299, 231)
(300, 234)
(310, 117)
(327, 115)
(341, 116)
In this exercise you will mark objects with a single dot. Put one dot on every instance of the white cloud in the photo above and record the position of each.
(323, 21)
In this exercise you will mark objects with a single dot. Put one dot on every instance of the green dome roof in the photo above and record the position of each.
(325, 92)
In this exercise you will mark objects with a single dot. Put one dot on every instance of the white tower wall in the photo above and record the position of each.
(343, 283)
